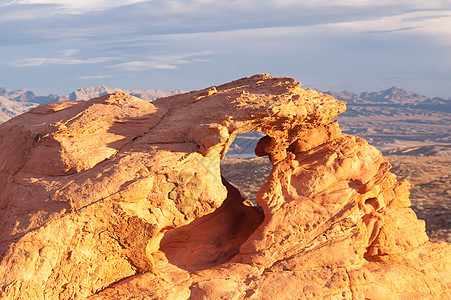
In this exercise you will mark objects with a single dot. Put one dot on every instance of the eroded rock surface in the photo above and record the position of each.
(119, 198)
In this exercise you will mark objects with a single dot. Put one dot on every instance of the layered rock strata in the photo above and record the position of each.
(119, 198)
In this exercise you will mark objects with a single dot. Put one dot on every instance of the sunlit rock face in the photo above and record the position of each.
(116, 198)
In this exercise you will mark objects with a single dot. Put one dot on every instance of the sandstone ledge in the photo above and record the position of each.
(117, 197)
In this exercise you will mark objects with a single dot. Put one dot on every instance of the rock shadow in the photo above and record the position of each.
(214, 238)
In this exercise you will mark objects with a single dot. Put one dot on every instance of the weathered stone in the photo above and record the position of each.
(117, 197)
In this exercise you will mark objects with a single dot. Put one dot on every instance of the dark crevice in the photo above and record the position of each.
(373, 202)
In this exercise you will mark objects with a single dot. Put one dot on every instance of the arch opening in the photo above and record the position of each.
(216, 238)
(243, 168)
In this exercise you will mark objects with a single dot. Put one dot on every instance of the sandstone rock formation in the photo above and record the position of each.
(119, 198)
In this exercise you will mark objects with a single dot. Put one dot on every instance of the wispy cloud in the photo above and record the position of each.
(163, 62)
(78, 6)
(357, 39)
(68, 52)
(38, 61)
(63, 59)
(143, 66)
(391, 30)
(92, 77)
(433, 24)
(416, 4)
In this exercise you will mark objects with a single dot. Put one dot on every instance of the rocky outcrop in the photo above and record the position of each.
(119, 198)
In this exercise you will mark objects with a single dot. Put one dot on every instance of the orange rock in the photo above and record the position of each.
(117, 197)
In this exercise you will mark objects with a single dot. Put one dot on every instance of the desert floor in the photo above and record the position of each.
(430, 177)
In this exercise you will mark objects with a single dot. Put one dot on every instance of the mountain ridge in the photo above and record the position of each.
(15, 102)
(393, 95)
(396, 119)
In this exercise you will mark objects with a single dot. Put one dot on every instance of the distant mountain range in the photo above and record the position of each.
(390, 119)
(14, 102)
(393, 97)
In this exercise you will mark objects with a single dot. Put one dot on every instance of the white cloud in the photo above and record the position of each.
(143, 66)
(252, 36)
(176, 7)
(435, 24)
(79, 6)
(28, 62)
(68, 52)
(91, 77)
(413, 4)
(163, 62)
(64, 60)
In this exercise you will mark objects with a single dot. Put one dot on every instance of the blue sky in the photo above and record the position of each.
(57, 46)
